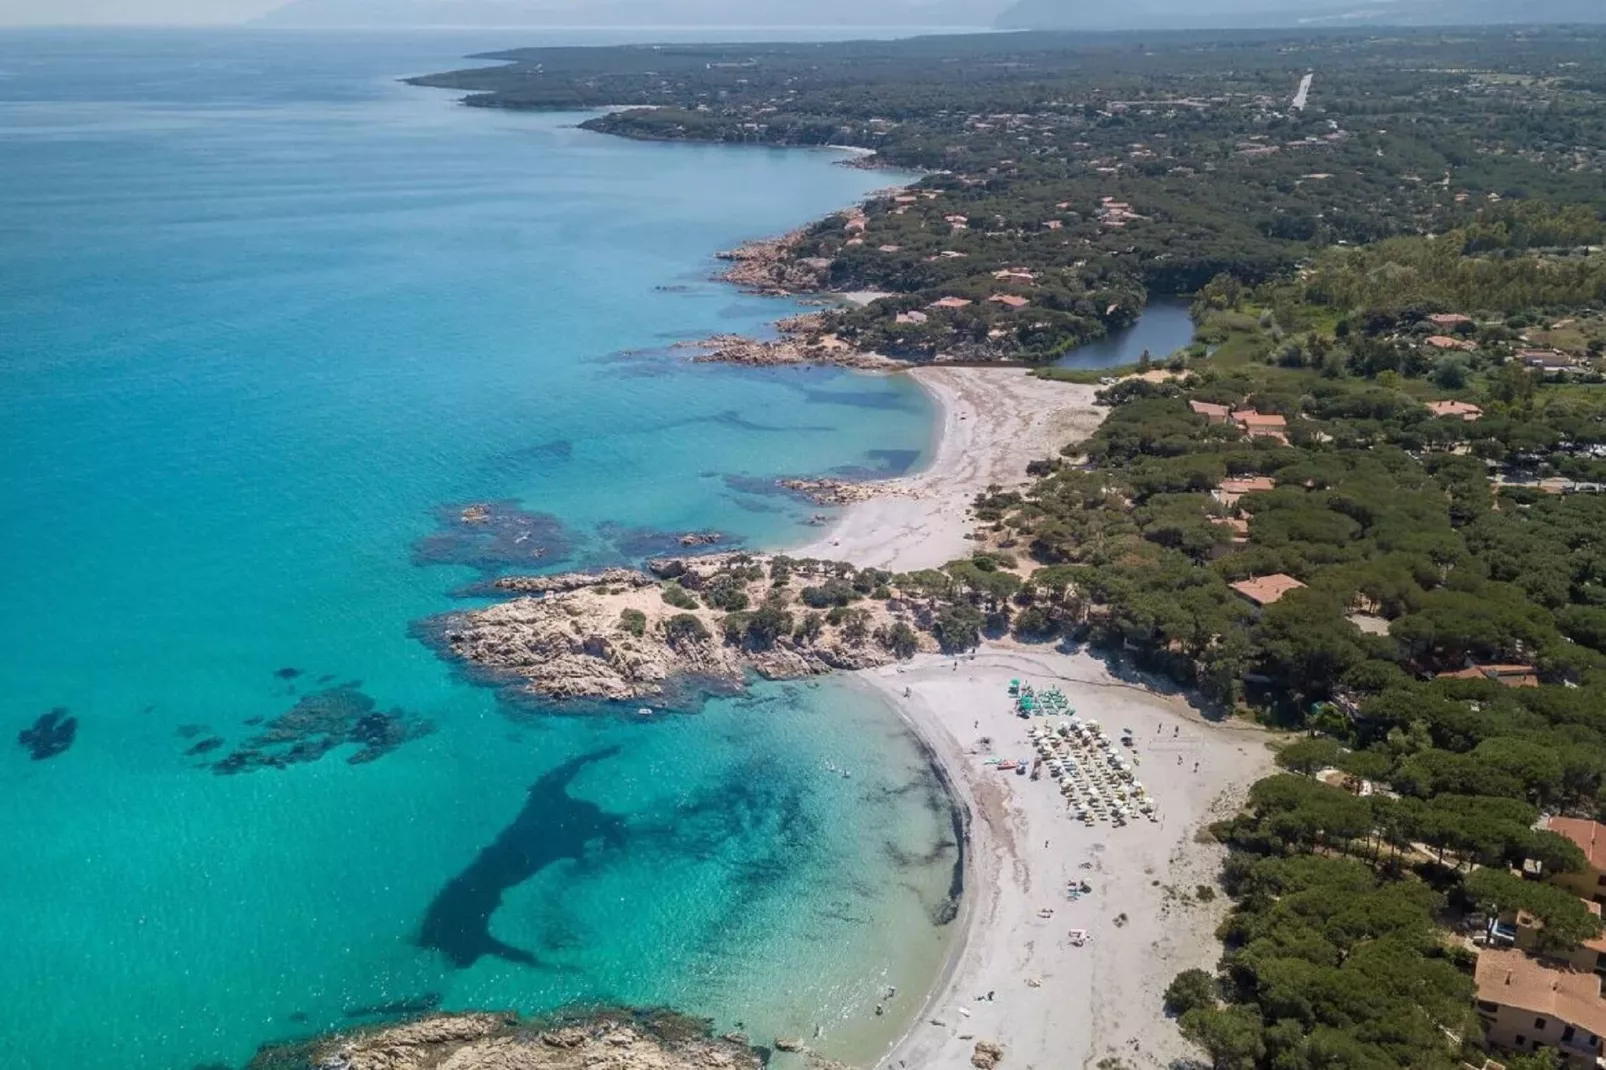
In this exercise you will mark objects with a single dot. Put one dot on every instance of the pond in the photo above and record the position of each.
(1162, 329)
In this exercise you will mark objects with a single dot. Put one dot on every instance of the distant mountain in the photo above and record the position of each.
(1208, 14)
(631, 13)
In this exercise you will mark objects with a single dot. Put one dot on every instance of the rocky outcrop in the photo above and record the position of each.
(718, 616)
(987, 1055)
(831, 491)
(772, 266)
(788, 349)
(502, 1042)
(573, 581)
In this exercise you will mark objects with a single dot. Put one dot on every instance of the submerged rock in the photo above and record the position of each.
(490, 536)
(478, 1041)
(50, 735)
(319, 723)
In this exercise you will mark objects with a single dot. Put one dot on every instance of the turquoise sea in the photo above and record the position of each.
(268, 321)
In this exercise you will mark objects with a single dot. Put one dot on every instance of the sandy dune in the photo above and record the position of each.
(994, 422)
(1104, 998)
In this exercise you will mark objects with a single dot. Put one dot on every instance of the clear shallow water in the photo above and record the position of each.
(266, 314)
(1162, 329)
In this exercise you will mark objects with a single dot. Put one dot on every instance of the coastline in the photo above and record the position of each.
(1146, 921)
(993, 423)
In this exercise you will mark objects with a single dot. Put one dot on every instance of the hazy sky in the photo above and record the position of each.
(58, 12)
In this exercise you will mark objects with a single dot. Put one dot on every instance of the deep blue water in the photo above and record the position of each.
(269, 316)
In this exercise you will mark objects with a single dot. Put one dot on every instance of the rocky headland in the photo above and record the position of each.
(799, 346)
(772, 266)
(625, 635)
(478, 1041)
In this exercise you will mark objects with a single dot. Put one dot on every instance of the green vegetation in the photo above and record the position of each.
(633, 621)
(675, 595)
(1080, 172)
(1364, 507)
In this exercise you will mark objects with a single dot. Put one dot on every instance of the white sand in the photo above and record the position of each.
(994, 422)
(1104, 998)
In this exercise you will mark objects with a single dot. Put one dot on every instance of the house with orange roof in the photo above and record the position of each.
(1231, 490)
(1252, 421)
(1214, 414)
(1589, 956)
(1449, 319)
(1264, 590)
(1526, 1004)
(1015, 275)
(1444, 341)
(1239, 526)
(910, 317)
(1463, 410)
(1010, 300)
(1590, 837)
(1509, 675)
(950, 302)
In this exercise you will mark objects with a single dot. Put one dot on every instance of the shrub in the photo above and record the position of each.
(1190, 990)
(684, 627)
(726, 592)
(675, 595)
(958, 627)
(633, 621)
(901, 640)
(832, 593)
(809, 628)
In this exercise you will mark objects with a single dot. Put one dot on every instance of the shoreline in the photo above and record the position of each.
(992, 423)
(1046, 1011)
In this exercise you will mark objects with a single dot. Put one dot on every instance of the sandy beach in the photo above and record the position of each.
(994, 421)
(1016, 978)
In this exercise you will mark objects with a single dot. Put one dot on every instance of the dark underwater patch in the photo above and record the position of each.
(858, 399)
(551, 826)
(884, 464)
(289, 672)
(491, 536)
(637, 544)
(319, 723)
(52, 733)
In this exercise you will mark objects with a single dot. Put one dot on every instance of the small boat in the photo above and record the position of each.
(644, 712)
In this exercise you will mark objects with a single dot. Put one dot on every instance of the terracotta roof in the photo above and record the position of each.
(1239, 526)
(1464, 409)
(1449, 319)
(1590, 836)
(1261, 420)
(1205, 408)
(1512, 979)
(949, 302)
(1248, 485)
(1510, 675)
(1440, 341)
(1010, 299)
(1265, 590)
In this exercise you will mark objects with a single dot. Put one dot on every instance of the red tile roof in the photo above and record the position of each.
(1590, 836)
(1513, 979)
(1264, 590)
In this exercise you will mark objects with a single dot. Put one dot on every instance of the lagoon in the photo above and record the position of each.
(1163, 328)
